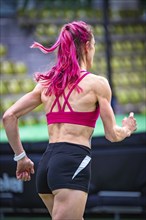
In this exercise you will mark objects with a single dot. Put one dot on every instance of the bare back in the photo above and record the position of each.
(85, 101)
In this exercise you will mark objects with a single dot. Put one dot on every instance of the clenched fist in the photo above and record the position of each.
(25, 167)
(130, 123)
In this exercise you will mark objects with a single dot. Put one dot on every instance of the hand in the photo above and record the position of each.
(25, 167)
(130, 123)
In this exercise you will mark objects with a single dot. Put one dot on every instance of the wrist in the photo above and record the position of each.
(20, 156)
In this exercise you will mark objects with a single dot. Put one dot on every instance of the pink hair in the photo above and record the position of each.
(67, 69)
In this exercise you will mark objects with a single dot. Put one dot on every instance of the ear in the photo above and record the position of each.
(87, 46)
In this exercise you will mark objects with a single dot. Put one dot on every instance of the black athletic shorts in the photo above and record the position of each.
(64, 165)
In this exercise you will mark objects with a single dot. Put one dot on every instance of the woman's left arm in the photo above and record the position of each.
(10, 120)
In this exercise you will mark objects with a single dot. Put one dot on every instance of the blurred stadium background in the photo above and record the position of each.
(120, 31)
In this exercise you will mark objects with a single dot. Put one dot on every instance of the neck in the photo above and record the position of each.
(83, 66)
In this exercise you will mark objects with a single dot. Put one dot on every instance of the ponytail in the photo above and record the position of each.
(67, 68)
(44, 49)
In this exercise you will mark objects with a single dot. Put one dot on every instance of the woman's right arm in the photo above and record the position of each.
(113, 132)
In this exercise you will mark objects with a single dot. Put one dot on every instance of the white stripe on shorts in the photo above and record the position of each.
(82, 165)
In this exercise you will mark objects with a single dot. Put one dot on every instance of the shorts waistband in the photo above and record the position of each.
(57, 144)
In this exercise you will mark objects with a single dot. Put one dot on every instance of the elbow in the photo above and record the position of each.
(111, 137)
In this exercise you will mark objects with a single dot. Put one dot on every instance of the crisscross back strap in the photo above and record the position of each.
(67, 97)
(69, 93)
(54, 103)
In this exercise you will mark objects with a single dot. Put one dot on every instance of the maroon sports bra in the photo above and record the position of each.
(72, 117)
